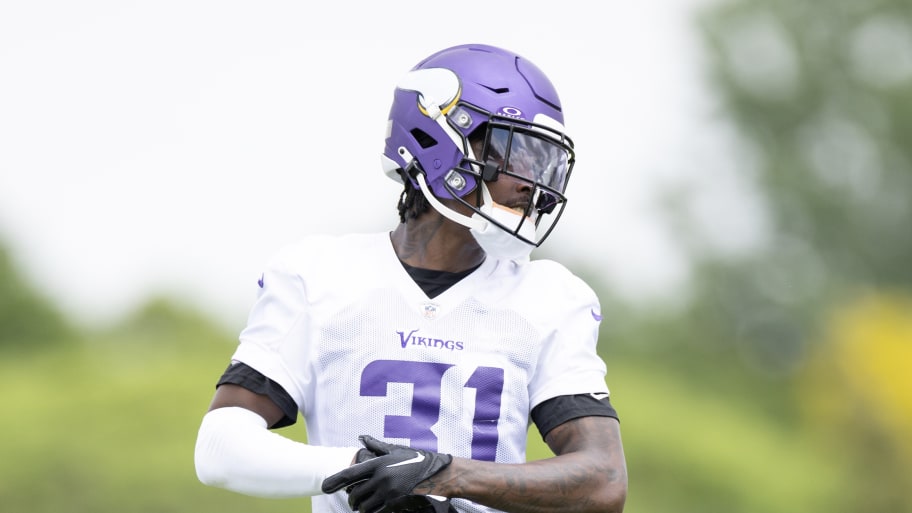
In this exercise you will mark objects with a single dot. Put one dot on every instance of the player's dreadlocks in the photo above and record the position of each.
(412, 202)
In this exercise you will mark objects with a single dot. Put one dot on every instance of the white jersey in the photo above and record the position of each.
(341, 325)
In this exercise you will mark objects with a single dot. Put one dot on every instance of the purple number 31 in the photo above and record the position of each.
(427, 378)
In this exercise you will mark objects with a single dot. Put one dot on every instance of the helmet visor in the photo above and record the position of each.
(529, 155)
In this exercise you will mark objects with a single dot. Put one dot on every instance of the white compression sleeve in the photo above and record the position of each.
(235, 451)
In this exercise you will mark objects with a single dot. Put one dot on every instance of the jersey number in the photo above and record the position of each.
(426, 379)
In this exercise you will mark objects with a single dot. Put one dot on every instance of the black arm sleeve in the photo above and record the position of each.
(557, 410)
(241, 374)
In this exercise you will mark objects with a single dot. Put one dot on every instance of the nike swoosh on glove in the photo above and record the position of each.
(390, 476)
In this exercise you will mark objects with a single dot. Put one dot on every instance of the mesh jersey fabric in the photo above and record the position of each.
(343, 328)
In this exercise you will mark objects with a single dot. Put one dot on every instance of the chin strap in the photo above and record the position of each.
(495, 241)
(476, 222)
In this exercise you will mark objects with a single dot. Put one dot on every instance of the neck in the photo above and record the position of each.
(434, 242)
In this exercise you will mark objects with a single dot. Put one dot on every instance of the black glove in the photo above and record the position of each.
(360, 457)
(387, 479)
(418, 504)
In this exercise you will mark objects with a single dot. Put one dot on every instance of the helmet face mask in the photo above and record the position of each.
(504, 105)
(536, 156)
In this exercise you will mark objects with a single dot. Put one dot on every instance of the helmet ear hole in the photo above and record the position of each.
(423, 138)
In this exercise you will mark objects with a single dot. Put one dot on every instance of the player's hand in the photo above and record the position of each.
(419, 504)
(360, 457)
(387, 479)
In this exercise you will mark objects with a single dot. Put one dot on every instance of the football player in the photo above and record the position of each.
(418, 357)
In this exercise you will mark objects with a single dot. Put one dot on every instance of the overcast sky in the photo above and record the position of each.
(174, 146)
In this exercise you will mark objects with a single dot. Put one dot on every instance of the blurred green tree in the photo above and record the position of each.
(810, 332)
(822, 92)
(820, 96)
(28, 320)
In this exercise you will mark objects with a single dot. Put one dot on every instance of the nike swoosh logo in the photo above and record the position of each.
(417, 459)
(596, 316)
(599, 396)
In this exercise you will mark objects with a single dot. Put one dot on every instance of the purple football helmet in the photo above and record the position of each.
(496, 96)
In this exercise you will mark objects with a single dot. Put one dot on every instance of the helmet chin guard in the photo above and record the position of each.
(488, 225)
(513, 115)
